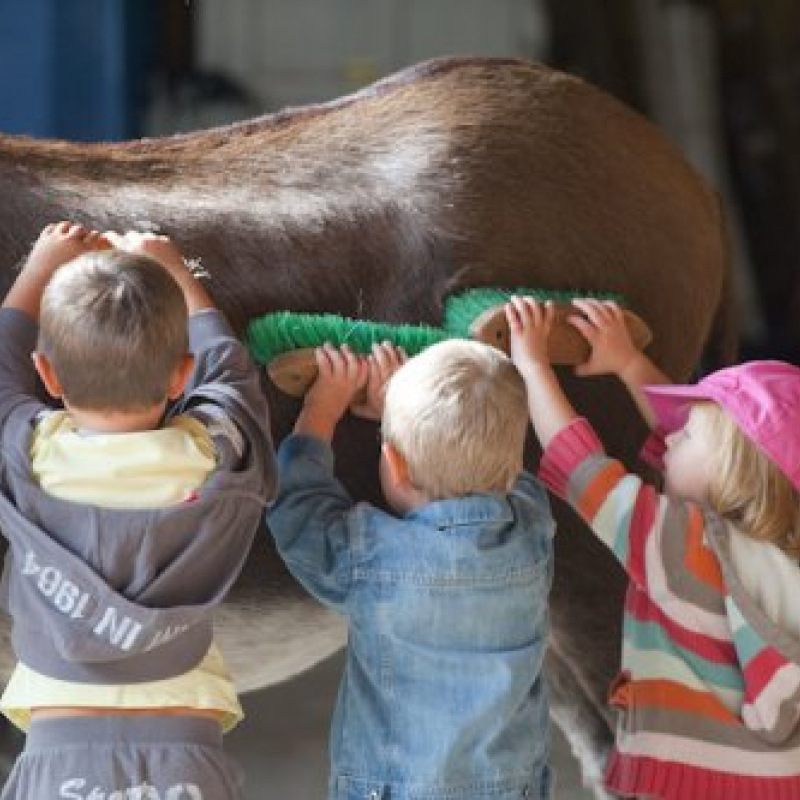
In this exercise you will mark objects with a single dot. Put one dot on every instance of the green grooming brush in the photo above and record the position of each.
(479, 314)
(463, 309)
(285, 340)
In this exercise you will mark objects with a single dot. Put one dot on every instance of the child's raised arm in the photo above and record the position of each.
(57, 244)
(529, 323)
(341, 375)
(613, 352)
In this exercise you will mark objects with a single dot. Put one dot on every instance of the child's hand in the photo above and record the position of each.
(529, 324)
(163, 250)
(603, 326)
(341, 375)
(382, 363)
(159, 248)
(614, 352)
(59, 243)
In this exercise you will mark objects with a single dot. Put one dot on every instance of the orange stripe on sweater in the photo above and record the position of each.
(667, 694)
(598, 489)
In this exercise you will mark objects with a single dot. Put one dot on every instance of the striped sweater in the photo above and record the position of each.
(709, 693)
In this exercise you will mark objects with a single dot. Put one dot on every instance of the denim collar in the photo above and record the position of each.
(473, 509)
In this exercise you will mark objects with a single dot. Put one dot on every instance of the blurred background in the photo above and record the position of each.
(720, 77)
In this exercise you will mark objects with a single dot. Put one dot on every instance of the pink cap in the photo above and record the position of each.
(762, 396)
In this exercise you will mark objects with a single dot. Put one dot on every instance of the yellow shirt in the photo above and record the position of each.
(160, 467)
(167, 464)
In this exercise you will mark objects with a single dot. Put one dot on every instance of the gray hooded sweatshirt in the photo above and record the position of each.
(103, 595)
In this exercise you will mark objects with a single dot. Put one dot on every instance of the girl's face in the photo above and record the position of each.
(688, 458)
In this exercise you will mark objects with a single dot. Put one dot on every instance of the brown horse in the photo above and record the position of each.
(455, 173)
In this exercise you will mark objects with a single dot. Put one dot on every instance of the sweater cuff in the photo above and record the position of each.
(652, 452)
(572, 445)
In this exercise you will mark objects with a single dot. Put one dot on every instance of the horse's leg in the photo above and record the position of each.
(584, 727)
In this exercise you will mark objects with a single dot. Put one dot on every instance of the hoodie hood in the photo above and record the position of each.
(764, 635)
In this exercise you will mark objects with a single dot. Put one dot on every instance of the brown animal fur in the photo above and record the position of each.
(452, 174)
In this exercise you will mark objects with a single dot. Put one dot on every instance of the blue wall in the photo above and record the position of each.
(76, 69)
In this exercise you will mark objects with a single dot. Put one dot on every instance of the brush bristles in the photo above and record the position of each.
(282, 331)
(462, 309)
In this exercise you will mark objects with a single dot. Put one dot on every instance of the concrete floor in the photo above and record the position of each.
(282, 744)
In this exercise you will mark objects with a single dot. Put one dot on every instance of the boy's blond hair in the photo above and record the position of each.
(458, 414)
(113, 327)
(748, 488)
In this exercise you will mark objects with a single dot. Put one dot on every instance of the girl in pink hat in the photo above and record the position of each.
(709, 692)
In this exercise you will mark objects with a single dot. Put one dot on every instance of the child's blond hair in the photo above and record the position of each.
(458, 414)
(748, 488)
(113, 327)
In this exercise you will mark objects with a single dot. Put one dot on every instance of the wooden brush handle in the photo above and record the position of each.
(566, 344)
(293, 372)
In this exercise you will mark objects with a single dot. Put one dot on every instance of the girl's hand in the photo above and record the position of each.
(603, 326)
(341, 375)
(529, 324)
(382, 363)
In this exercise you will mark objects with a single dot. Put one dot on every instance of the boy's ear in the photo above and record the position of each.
(396, 465)
(180, 376)
(45, 371)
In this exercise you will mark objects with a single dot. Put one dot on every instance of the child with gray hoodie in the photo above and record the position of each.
(129, 509)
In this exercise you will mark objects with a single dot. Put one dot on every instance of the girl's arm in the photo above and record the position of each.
(622, 510)
(618, 506)
(529, 324)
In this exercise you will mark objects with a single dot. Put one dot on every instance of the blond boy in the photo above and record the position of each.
(445, 592)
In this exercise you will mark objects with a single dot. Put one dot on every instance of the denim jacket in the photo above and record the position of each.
(442, 696)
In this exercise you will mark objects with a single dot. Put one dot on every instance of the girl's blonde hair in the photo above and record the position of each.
(458, 414)
(748, 488)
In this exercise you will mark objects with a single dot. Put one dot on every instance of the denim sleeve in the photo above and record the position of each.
(533, 490)
(310, 520)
